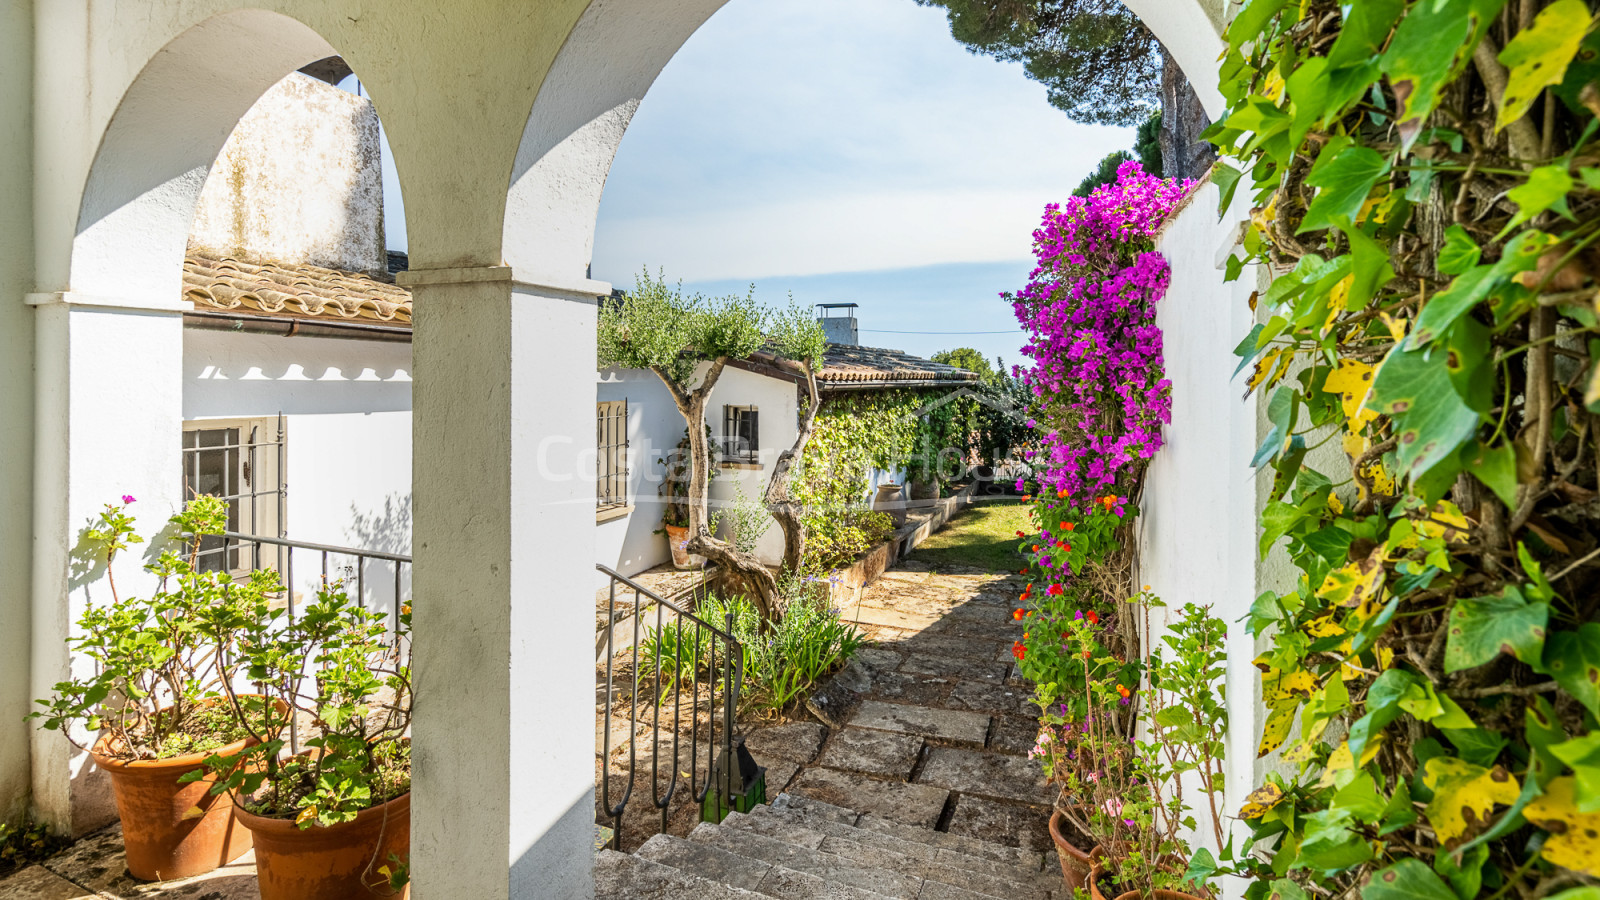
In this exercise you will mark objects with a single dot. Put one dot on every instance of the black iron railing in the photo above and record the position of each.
(688, 655)
(361, 571)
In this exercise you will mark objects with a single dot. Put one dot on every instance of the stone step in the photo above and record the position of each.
(1020, 871)
(727, 867)
(810, 860)
(888, 855)
(622, 875)
(959, 843)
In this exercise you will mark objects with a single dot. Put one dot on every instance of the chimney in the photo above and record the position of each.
(838, 322)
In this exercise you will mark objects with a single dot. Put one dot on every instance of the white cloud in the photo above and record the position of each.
(800, 136)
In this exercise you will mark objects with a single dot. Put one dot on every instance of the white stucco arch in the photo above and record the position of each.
(613, 56)
(140, 193)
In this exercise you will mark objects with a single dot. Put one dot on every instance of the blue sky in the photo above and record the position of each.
(844, 150)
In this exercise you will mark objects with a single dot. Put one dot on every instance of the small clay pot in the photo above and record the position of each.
(1099, 871)
(677, 537)
(162, 834)
(335, 862)
(1075, 864)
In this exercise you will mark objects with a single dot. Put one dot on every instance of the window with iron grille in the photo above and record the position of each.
(611, 437)
(241, 462)
(741, 435)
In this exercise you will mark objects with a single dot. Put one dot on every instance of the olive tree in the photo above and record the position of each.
(687, 341)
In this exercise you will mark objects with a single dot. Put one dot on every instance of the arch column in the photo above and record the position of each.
(504, 732)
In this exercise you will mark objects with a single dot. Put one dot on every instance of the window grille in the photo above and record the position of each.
(741, 436)
(241, 462)
(611, 437)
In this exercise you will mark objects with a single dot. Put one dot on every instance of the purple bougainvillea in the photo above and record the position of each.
(1089, 310)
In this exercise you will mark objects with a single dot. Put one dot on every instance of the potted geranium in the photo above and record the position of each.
(161, 698)
(1132, 784)
(332, 821)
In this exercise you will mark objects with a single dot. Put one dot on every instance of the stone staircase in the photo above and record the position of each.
(802, 849)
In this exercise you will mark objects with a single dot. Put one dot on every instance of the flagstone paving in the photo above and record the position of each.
(930, 724)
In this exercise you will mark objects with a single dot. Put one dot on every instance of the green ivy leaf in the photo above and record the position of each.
(1346, 174)
(1546, 188)
(1583, 755)
(1459, 253)
(1431, 420)
(1573, 659)
(1538, 56)
(1429, 48)
(1496, 467)
(1408, 879)
(1482, 628)
(1252, 19)
(1470, 364)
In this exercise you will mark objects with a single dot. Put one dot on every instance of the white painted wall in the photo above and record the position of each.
(777, 401)
(347, 418)
(16, 404)
(1198, 520)
(298, 181)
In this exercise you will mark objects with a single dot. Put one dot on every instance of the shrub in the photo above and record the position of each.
(842, 537)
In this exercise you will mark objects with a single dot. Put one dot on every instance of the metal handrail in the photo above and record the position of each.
(731, 677)
(321, 548)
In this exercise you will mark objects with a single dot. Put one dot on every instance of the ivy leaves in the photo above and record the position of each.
(1538, 58)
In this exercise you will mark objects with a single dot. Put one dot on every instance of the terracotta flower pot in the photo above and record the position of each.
(1099, 871)
(677, 537)
(337, 862)
(1075, 864)
(163, 836)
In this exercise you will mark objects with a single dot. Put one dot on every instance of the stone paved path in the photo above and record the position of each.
(930, 725)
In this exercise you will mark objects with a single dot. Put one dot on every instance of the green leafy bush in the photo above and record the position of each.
(781, 663)
(840, 538)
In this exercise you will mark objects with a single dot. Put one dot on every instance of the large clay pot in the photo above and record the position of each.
(1098, 872)
(677, 537)
(337, 862)
(889, 501)
(162, 836)
(1075, 864)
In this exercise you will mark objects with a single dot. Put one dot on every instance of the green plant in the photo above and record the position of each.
(1125, 792)
(162, 662)
(781, 663)
(1424, 189)
(25, 842)
(843, 537)
(747, 519)
(339, 666)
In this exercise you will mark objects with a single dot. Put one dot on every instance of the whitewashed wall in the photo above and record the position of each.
(347, 418)
(1198, 519)
(777, 401)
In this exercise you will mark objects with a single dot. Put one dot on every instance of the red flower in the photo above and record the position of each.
(1070, 526)
(1016, 614)
(1021, 534)
(1087, 654)
(1018, 650)
(1036, 548)
(1053, 590)
(1094, 617)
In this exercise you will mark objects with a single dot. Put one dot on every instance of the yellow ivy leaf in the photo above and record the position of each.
(1323, 626)
(1397, 327)
(1273, 88)
(1445, 521)
(1277, 688)
(1262, 218)
(1338, 300)
(1260, 801)
(1335, 505)
(1341, 759)
(1302, 752)
(1276, 731)
(1352, 584)
(1463, 797)
(1355, 444)
(305, 816)
(1574, 840)
(1351, 381)
(1265, 366)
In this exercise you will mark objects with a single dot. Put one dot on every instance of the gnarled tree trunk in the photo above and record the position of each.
(779, 504)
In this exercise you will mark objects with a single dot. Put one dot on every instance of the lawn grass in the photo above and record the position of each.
(983, 536)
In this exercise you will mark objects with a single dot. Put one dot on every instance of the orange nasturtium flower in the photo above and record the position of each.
(1018, 650)
(1070, 526)
(1036, 548)
(1124, 692)
(1093, 617)
(1017, 614)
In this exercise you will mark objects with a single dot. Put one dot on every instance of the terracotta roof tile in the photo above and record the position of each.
(845, 363)
(293, 291)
